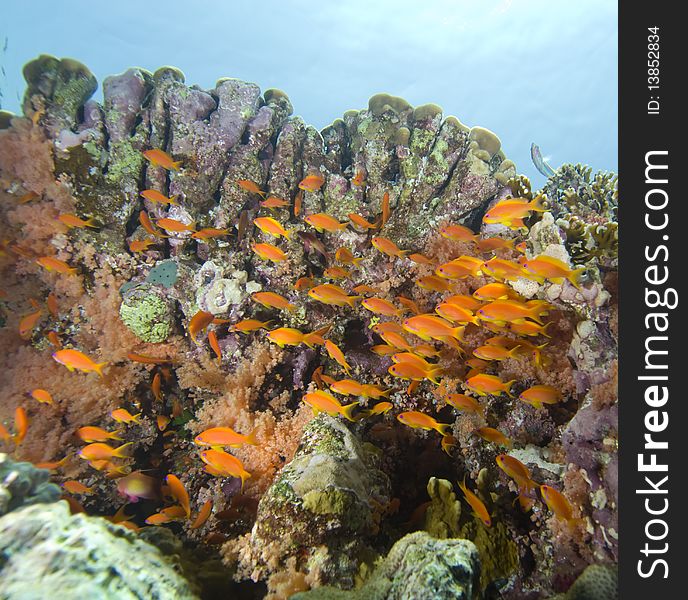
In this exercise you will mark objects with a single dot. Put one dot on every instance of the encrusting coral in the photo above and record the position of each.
(189, 274)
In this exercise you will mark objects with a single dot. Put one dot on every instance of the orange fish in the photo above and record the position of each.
(73, 359)
(456, 314)
(321, 401)
(511, 211)
(492, 352)
(139, 246)
(179, 493)
(515, 469)
(361, 222)
(175, 226)
(420, 259)
(304, 283)
(71, 220)
(203, 515)
(447, 443)
(529, 328)
(298, 202)
(269, 252)
(490, 434)
(324, 222)
(28, 323)
(345, 256)
(54, 339)
(208, 233)
(225, 436)
(138, 486)
(479, 509)
(380, 306)
(453, 270)
(273, 300)
(162, 421)
(101, 451)
(160, 158)
(381, 408)
(145, 359)
(50, 466)
(199, 323)
(336, 354)
(250, 186)
(221, 464)
(271, 227)
(388, 247)
(553, 269)
(215, 345)
(408, 370)
(557, 503)
(374, 391)
(412, 358)
(433, 283)
(7, 436)
(147, 224)
(51, 301)
(419, 420)
(158, 198)
(538, 395)
(328, 293)
(366, 289)
(274, 202)
(496, 291)
(122, 415)
(21, 425)
(315, 338)
(91, 434)
(396, 339)
(386, 210)
(428, 326)
(27, 197)
(345, 387)
(494, 243)
(500, 268)
(311, 183)
(483, 384)
(409, 304)
(248, 325)
(49, 263)
(507, 311)
(462, 402)
(358, 179)
(76, 487)
(384, 349)
(156, 385)
(42, 396)
(457, 233)
(337, 273)
(286, 336)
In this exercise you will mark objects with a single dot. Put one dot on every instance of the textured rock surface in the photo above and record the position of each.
(22, 484)
(46, 550)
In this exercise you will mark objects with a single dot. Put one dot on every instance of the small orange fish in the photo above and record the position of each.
(375, 391)
(138, 486)
(286, 336)
(27, 197)
(420, 259)
(479, 509)
(413, 372)
(388, 247)
(345, 256)
(500, 268)
(386, 210)
(273, 300)
(271, 227)
(507, 311)
(298, 202)
(384, 349)
(304, 283)
(494, 243)
(50, 263)
(315, 338)
(269, 252)
(101, 451)
(175, 226)
(158, 519)
(179, 493)
(380, 306)
(147, 224)
(496, 291)
(453, 270)
(28, 323)
(464, 403)
(511, 211)
(158, 198)
(139, 246)
(122, 415)
(381, 408)
(328, 293)
(311, 183)
(321, 401)
(74, 359)
(21, 425)
(419, 420)
(215, 345)
(337, 273)
(324, 222)
(71, 221)
(529, 328)
(433, 283)
(557, 503)
(76, 487)
(483, 384)
(50, 466)
(147, 360)
(553, 269)
(457, 233)
(274, 202)
(358, 179)
(203, 515)
(162, 421)
(456, 314)
(538, 395)
(361, 222)
(91, 434)
(250, 186)
(466, 302)
(447, 443)
(409, 304)
(7, 436)
(515, 469)
(225, 436)
(160, 158)
(336, 354)
(345, 387)
(428, 326)
(366, 289)
(222, 464)
(248, 325)
(396, 339)
(209, 233)
(156, 385)
(42, 396)
(199, 323)
(490, 434)
(51, 302)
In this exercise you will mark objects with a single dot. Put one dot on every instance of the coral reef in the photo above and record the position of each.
(22, 484)
(204, 262)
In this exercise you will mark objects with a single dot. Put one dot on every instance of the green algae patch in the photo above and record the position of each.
(147, 313)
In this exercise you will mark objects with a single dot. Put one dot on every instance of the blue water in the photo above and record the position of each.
(529, 70)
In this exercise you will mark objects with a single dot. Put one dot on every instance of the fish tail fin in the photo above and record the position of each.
(347, 411)
(507, 388)
(91, 223)
(351, 300)
(386, 393)
(457, 332)
(114, 435)
(403, 253)
(176, 165)
(538, 203)
(443, 428)
(251, 438)
(356, 261)
(543, 331)
(123, 451)
(575, 276)
(99, 369)
(534, 313)
(173, 200)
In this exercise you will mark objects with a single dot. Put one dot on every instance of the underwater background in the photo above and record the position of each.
(292, 307)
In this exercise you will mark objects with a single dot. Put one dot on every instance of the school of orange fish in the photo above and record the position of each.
(412, 339)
